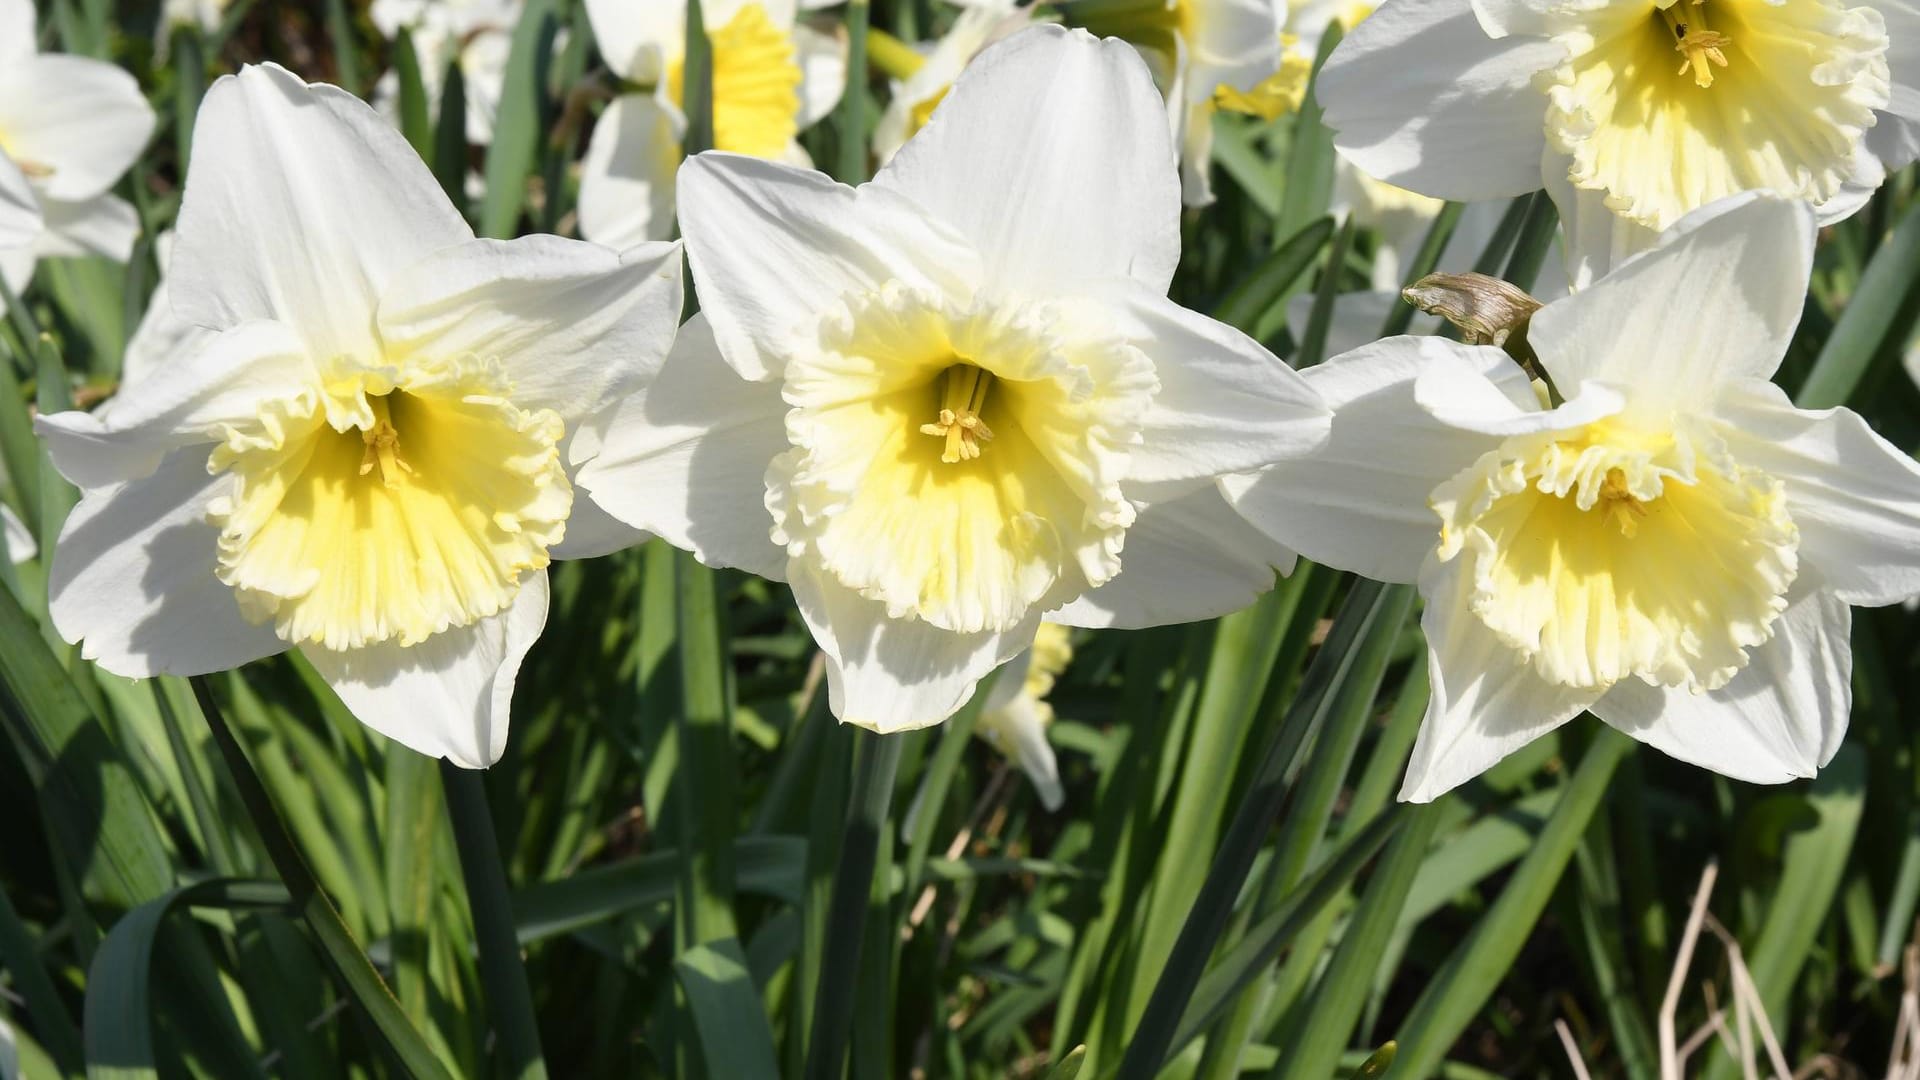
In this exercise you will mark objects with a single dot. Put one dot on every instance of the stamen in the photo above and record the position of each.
(959, 423)
(383, 446)
(1619, 504)
(1699, 44)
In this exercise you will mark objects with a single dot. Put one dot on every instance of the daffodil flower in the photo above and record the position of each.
(20, 545)
(956, 399)
(918, 91)
(1632, 112)
(773, 77)
(1673, 548)
(1016, 715)
(367, 460)
(1208, 55)
(69, 127)
(476, 34)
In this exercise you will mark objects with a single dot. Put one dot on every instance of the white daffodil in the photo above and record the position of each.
(1207, 55)
(20, 545)
(1674, 548)
(773, 76)
(69, 126)
(923, 81)
(203, 15)
(956, 399)
(1632, 112)
(476, 34)
(1016, 715)
(367, 460)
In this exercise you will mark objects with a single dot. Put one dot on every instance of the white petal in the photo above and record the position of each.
(1020, 727)
(686, 457)
(1503, 17)
(1052, 157)
(16, 266)
(1854, 496)
(1718, 299)
(1357, 318)
(573, 324)
(1780, 719)
(133, 578)
(1596, 238)
(624, 28)
(1479, 393)
(1360, 503)
(1895, 140)
(20, 545)
(300, 204)
(592, 532)
(626, 179)
(221, 384)
(449, 696)
(1902, 19)
(16, 31)
(891, 675)
(823, 72)
(1225, 403)
(104, 225)
(162, 340)
(20, 222)
(773, 246)
(1419, 96)
(1186, 559)
(1486, 703)
(83, 120)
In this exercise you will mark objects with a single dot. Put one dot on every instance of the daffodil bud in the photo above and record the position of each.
(1487, 310)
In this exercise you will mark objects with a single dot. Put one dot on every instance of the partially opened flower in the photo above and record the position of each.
(773, 77)
(924, 82)
(69, 127)
(1673, 548)
(20, 545)
(1016, 715)
(1208, 55)
(475, 34)
(366, 457)
(1632, 112)
(956, 399)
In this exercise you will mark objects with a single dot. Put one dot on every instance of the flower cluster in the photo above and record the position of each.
(954, 409)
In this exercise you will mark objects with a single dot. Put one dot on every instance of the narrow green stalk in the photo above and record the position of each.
(212, 826)
(697, 83)
(707, 784)
(878, 758)
(189, 84)
(365, 988)
(1530, 248)
(1313, 340)
(851, 116)
(1500, 244)
(346, 45)
(1365, 605)
(509, 1000)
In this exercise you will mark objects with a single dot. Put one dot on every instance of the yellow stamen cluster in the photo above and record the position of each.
(1699, 44)
(959, 420)
(383, 446)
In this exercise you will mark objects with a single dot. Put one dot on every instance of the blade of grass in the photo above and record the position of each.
(414, 122)
(1456, 993)
(509, 1000)
(1309, 185)
(707, 784)
(449, 157)
(364, 986)
(22, 960)
(734, 1037)
(850, 165)
(878, 757)
(517, 126)
(1369, 605)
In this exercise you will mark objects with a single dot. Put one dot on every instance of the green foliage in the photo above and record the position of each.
(684, 866)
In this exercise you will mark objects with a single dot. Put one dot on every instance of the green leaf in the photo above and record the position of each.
(707, 783)
(735, 1039)
(517, 126)
(119, 1007)
(1267, 288)
(1310, 158)
(770, 866)
(1454, 996)
(414, 122)
(365, 989)
(509, 1001)
(1877, 317)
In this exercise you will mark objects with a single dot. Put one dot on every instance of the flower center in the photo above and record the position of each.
(378, 512)
(1795, 85)
(926, 517)
(1605, 552)
(959, 423)
(1699, 44)
(756, 84)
